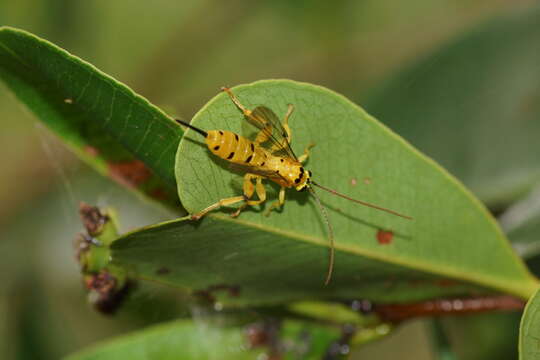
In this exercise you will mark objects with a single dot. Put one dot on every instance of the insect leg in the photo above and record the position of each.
(287, 136)
(220, 203)
(266, 131)
(279, 203)
(249, 189)
(290, 109)
(261, 191)
(304, 157)
(236, 102)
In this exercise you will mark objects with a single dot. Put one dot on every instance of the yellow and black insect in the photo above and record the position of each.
(269, 156)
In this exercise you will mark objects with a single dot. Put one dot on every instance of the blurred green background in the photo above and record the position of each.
(178, 54)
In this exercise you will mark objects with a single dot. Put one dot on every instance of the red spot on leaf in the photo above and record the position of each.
(159, 194)
(129, 173)
(384, 237)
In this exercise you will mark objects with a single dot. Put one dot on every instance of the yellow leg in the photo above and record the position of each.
(220, 203)
(288, 135)
(266, 131)
(290, 109)
(279, 203)
(237, 102)
(249, 189)
(304, 157)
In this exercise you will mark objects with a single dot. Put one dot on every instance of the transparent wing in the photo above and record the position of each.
(269, 127)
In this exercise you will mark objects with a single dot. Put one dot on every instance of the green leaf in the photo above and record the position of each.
(284, 257)
(178, 340)
(204, 339)
(116, 131)
(529, 330)
(473, 106)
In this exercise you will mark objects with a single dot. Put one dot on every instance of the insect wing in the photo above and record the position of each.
(271, 130)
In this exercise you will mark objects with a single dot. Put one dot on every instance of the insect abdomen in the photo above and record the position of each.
(234, 148)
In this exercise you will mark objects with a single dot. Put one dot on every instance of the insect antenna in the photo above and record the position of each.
(202, 132)
(362, 202)
(330, 236)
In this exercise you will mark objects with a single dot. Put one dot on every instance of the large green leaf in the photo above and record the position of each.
(283, 257)
(116, 131)
(473, 106)
(529, 331)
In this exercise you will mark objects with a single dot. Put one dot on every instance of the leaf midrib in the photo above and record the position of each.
(418, 264)
(521, 288)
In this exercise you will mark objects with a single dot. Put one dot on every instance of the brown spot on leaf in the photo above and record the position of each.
(367, 180)
(129, 173)
(90, 150)
(384, 237)
(354, 181)
(159, 194)
(208, 295)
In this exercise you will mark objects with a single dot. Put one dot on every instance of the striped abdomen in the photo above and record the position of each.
(235, 148)
(239, 150)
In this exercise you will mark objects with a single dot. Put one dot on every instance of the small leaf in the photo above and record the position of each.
(529, 331)
(473, 105)
(284, 257)
(116, 131)
(178, 340)
(204, 340)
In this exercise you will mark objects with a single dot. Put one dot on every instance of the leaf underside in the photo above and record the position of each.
(116, 131)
